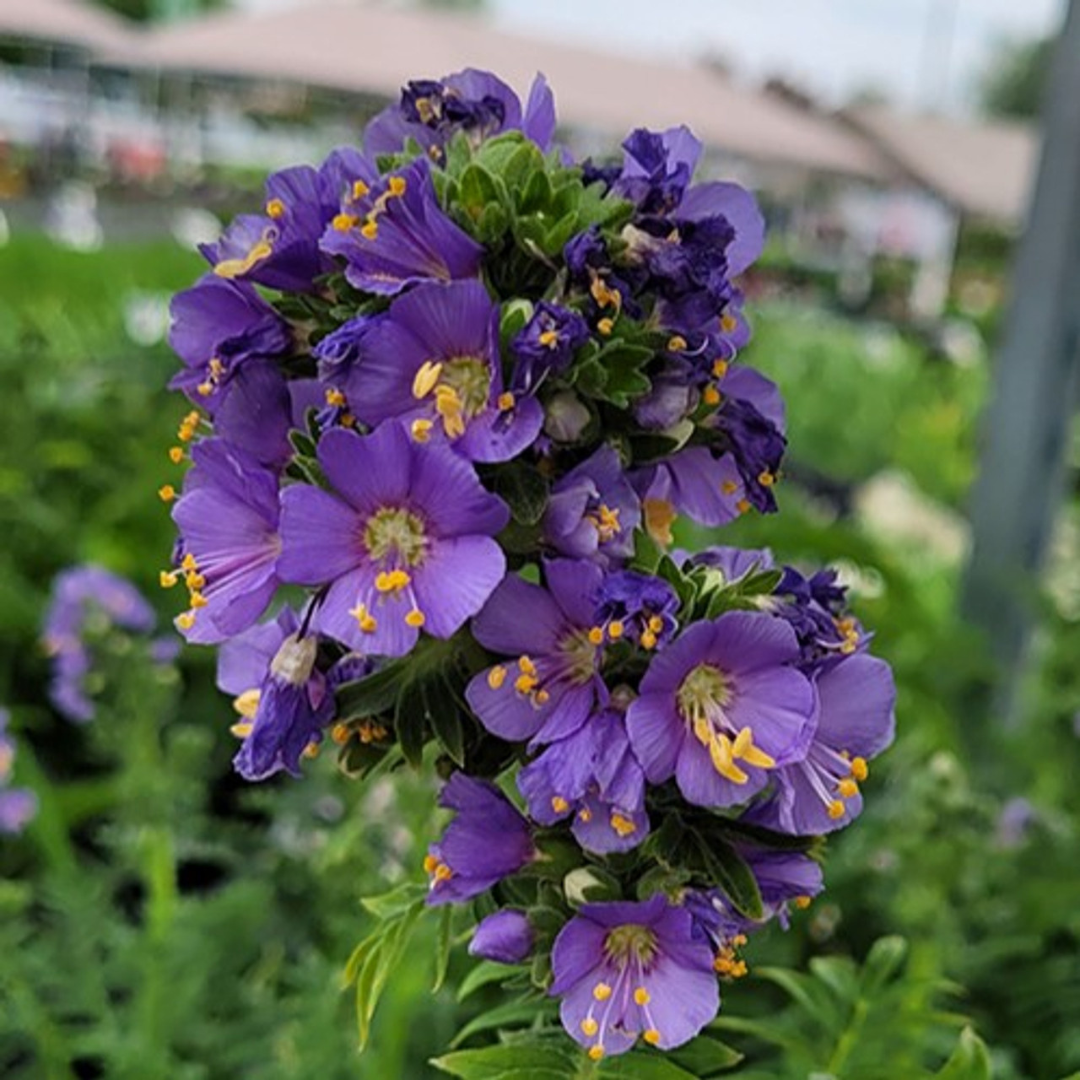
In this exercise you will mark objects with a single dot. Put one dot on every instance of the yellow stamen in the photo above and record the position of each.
(197, 600)
(651, 1036)
(392, 580)
(541, 697)
(836, 809)
(205, 389)
(505, 401)
(421, 429)
(605, 326)
(359, 189)
(426, 378)
(729, 487)
(585, 815)
(648, 639)
(523, 684)
(242, 729)
(335, 398)
(430, 862)
(189, 563)
(624, 827)
(275, 208)
(443, 873)
(728, 323)
(176, 454)
(720, 368)
(370, 229)
(549, 338)
(364, 618)
(766, 478)
(615, 629)
(710, 395)
(803, 902)
(397, 185)
(596, 1053)
(642, 996)
(186, 620)
(167, 579)
(743, 505)
(340, 733)
(496, 677)
(232, 268)
(559, 804)
(659, 517)
(194, 580)
(656, 624)
(596, 635)
(526, 665)
(601, 991)
(589, 1026)
(848, 789)
(676, 343)
(859, 769)
(344, 222)
(415, 618)
(247, 704)
(166, 493)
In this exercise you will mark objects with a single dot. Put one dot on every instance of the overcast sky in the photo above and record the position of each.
(832, 47)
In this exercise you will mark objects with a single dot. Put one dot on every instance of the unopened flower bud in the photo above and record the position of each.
(567, 418)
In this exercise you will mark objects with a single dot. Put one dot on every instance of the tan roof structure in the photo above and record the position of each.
(986, 168)
(374, 49)
(66, 22)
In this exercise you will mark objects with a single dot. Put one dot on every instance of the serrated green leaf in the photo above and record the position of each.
(969, 1061)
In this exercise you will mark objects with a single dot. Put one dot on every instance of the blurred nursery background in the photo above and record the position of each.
(918, 162)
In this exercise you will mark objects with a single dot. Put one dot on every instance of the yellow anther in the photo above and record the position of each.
(757, 757)
(659, 517)
(194, 580)
(605, 296)
(624, 827)
(526, 665)
(247, 703)
(340, 733)
(344, 222)
(743, 505)
(656, 623)
(849, 646)
(231, 268)
(739, 940)
(549, 338)
(596, 1053)
(166, 493)
(242, 729)
(505, 401)
(836, 809)
(197, 600)
(615, 629)
(710, 395)
(720, 753)
(803, 902)
(359, 189)
(392, 580)
(420, 429)
(743, 741)
(525, 684)
(596, 635)
(728, 323)
(189, 563)
(217, 369)
(642, 996)
(186, 620)
(601, 991)
(722, 965)
(365, 620)
(167, 579)
(370, 732)
(847, 789)
(719, 368)
(448, 405)
(651, 1036)
(589, 1026)
(496, 677)
(311, 750)
(443, 873)
(176, 454)
(859, 769)
(648, 639)
(275, 208)
(397, 185)
(729, 487)
(585, 815)
(370, 229)
(335, 398)
(605, 326)
(426, 377)
(205, 389)
(559, 805)
(430, 863)
(541, 697)
(415, 618)
(676, 343)
(766, 478)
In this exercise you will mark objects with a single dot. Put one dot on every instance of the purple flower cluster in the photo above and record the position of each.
(17, 805)
(449, 395)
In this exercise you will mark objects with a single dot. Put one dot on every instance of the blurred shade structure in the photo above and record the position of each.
(1037, 382)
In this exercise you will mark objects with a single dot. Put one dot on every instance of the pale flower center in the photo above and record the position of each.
(395, 535)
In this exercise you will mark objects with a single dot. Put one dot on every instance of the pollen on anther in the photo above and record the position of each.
(359, 189)
(369, 230)
(605, 326)
(710, 395)
(596, 1053)
(167, 579)
(496, 677)
(615, 629)
(651, 1036)
(340, 733)
(505, 401)
(186, 620)
(415, 618)
(344, 222)
(589, 1026)
(397, 185)
(859, 769)
(596, 636)
(642, 996)
(836, 809)
(559, 804)
(166, 493)
(176, 454)
(676, 343)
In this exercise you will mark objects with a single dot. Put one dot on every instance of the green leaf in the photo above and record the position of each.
(642, 1065)
(411, 722)
(445, 718)
(372, 694)
(969, 1061)
(706, 1056)
(884, 960)
(477, 190)
(510, 1063)
(443, 942)
(524, 489)
(485, 973)
(396, 902)
(730, 871)
(521, 1012)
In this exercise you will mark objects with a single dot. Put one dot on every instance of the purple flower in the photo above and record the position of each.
(820, 793)
(284, 700)
(254, 413)
(657, 168)
(487, 841)
(217, 325)
(433, 361)
(546, 344)
(392, 234)
(82, 597)
(733, 563)
(593, 776)
(228, 546)
(476, 102)
(505, 937)
(593, 511)
(815, 608)
(626, 970)
(640, 607)
(403, 540)
(555, 684)
(17, 805)
(721, 707)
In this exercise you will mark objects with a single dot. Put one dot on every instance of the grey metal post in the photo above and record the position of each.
(1036, 379)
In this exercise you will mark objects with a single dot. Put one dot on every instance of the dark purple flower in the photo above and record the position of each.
(820, 793)
(228, 546)
(17, 805)
(403, 540)
(217, 325)
(629, 970)
(84, 597)
(476, 102)
(593, 776)
(721, 707)
(637, 606)
(546, 344)
(254, 413)
(554, 686)
(816, 609)
(593, 511)
(757, 444)
(487, 841)
(657, 167)
(392, 234)
(342, 348)
(505, 937)
(433, 362)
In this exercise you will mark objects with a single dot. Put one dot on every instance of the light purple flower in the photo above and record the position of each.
(593, 511)
(228, 546)
(254, 412)
(433, 362)
(721, 707)
(392, 234)
(404, 540)
(593, 776)
(820, 793)
(555, 684)
(505, 937)
(630, 970)
(17, 805)
(487, 841)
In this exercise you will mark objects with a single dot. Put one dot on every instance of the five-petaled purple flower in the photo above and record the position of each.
(487, 841)
(403, 541)
(630, 970)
